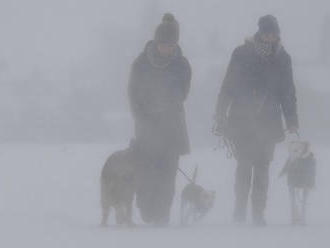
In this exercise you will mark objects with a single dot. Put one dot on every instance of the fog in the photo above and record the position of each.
(64, 71)
(67, 62)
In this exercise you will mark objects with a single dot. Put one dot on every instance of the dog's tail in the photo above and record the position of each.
(195, 175)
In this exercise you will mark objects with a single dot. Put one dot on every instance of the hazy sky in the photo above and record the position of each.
(57, 33)
(62, 46)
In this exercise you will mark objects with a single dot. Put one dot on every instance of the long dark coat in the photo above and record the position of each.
(255, 94)
(157, 91)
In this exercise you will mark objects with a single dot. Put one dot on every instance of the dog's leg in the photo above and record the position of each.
(293, 203)
(105, 204)
(194, 214)
(299, 205)
(200, 216)
(185, 213)
(182, 218)
(129, 213)
(120, 214)
(197, 215)
(190, 214)
(304, 203)
(105, 216)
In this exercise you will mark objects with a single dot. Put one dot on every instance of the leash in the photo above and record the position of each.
(185, 175)
(223, 143)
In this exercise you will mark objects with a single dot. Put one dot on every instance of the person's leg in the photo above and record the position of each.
(165, 185)
(243, 149)
(259, 193)
(145, 190)
(242, 189)
(294, 207)
(262, 158)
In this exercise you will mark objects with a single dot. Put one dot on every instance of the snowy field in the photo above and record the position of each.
(49, 197)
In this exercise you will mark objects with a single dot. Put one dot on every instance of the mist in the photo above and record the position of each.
(65, 67)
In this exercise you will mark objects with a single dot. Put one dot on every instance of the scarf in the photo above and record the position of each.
(266, 50)
(155, 59)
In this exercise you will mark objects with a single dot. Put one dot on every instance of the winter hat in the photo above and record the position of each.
(168, 31)
(268, 24)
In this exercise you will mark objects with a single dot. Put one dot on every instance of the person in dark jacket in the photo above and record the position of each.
(257, 91)
(159, 85)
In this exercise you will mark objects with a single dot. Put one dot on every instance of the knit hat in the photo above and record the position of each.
(268, 24)
(168, 31)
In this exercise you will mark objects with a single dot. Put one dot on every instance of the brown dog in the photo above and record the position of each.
(118, 186)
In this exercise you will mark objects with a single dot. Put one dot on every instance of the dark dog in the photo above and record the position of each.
(118, 186)
(300, 169)
(196, 202)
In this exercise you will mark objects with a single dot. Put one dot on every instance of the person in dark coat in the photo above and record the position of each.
(159, 85)
(257, 91)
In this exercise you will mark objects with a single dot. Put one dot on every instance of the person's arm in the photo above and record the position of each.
(288, 99)
(186, 78)
(135, 92)
(180, 73)
(225, 96)
(285, 169)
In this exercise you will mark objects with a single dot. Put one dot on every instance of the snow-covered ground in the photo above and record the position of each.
(49, 197)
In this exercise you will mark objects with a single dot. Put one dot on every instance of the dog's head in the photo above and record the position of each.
(206, 200)
(299, 149)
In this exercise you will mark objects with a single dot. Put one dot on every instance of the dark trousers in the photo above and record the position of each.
(252, 176)
(249, 178)
(156, 188)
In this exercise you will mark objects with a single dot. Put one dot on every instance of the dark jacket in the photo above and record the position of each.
(255, 94)
(157, 90)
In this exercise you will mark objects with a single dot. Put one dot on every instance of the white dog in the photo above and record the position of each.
(300, 170)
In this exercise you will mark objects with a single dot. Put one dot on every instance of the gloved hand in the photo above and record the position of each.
(292, 135)
(293, 130)
(218, 127)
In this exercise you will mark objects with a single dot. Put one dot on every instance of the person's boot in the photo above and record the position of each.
(242, 190)
(239, 216)
(259, 220)
(161, 222)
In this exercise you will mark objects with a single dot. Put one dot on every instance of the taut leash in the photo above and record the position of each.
(185, 175)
